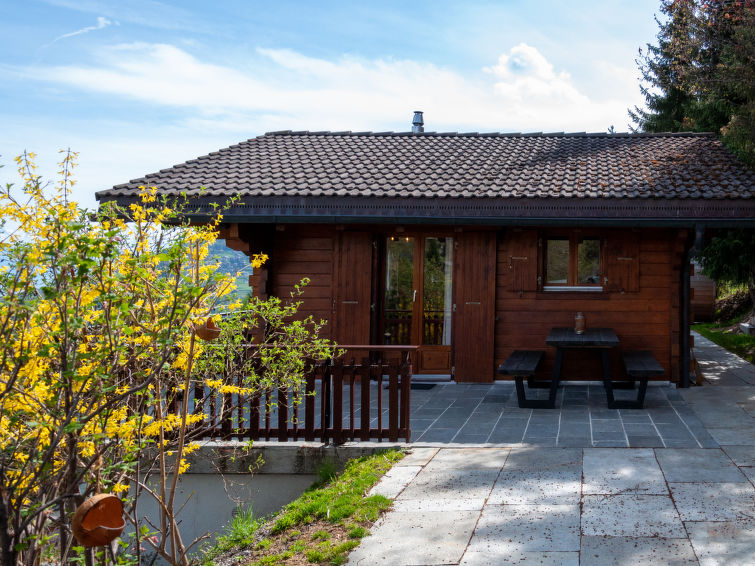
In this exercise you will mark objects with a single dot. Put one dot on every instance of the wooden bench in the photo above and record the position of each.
(640, 365)
(521, 364)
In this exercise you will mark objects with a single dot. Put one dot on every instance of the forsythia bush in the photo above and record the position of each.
(96, 344)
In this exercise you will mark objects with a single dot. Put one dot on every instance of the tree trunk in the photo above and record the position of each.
(7, 550)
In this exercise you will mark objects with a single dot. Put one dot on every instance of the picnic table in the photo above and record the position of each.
(523, 363)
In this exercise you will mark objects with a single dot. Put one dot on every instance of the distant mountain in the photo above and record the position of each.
(232, 262)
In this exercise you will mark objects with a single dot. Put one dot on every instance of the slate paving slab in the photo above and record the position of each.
(437, 505)
(416, 539)
(395, 481)
(649, 442)
(631, 516)
(555, 488)
(520, 559)
(516, 529)
(468, 459)
(714, 501)
(733, 435)
(620, 471)
(698, 465)
(530, 460)
(450, 484)
(741, 455)
(417, 456)
(722, 543)
(637, 551)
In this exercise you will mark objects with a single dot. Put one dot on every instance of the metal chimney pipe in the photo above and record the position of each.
(418, 123)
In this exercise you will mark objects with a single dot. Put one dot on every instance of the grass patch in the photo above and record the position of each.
(241, 533)
(320, 527)
(357, 531)
(743, 345)
(342, 497)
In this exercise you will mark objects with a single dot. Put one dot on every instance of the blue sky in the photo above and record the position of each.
(139, 85)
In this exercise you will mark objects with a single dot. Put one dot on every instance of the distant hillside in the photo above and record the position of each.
(232, 262)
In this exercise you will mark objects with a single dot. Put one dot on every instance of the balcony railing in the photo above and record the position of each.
(342, 400)
(397, 327)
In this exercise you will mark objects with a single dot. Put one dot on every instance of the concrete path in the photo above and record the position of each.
(542, 505)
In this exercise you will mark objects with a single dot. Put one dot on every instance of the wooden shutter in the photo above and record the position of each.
(474, 295)
(621, 254)
(522, 260)
(353, 288)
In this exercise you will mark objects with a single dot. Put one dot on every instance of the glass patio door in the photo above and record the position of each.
(417, 301)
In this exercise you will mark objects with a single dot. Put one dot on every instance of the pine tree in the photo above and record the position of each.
(668, 105)
(701, 74)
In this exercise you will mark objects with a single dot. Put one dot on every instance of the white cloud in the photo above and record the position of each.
(285, 89)
(217, 105)
(525, 76)
(101, 23)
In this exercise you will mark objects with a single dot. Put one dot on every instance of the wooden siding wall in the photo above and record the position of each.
(703, 296)
(645, 319)
(305, 251)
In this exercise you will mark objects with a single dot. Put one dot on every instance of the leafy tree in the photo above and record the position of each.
(98, 317)
(701, 74)
(730, 256)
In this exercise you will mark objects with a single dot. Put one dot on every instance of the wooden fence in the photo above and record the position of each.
(342, 400)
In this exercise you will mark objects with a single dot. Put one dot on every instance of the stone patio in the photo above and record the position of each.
(481, 414)
(503, 486)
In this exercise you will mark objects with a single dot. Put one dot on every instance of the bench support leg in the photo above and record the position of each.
(548, 403)
(608, 384)
(525, 403)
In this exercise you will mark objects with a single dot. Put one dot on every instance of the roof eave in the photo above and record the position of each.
(478, 211)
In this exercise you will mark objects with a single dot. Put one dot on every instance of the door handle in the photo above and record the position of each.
(414, 296)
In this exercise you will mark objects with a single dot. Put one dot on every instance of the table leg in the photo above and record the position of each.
(556, 376)
(607, 385)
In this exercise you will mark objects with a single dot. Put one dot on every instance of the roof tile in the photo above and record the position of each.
(451, 165)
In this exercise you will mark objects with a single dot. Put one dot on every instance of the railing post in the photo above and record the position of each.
(337, 407)
(254, 417)
(406, 392)
(355, 371)
(309, 406)
(326, 397)
(393, 403)
(282, 414)
(240, 409)
(365, 383)
(381, 371)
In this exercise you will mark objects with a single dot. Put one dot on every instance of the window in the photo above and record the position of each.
(572, 262)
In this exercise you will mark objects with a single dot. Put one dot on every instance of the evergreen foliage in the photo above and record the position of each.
(701, 74)
(730, 256)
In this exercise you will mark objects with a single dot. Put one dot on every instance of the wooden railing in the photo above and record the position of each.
(397, 326)
(342, 400)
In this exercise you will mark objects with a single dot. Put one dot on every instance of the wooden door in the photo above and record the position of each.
(474, 323)
(417, 298)
(353, 288)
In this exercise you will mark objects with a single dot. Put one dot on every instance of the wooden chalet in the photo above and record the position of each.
(471, 246)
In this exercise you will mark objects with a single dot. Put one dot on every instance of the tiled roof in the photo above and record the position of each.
(442, 166)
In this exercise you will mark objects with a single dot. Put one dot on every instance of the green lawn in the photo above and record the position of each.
(320, 527)
(742, 345)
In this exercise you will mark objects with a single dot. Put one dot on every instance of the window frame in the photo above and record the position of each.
(573, 236)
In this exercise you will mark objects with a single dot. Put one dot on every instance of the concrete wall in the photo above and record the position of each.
(219, 480)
